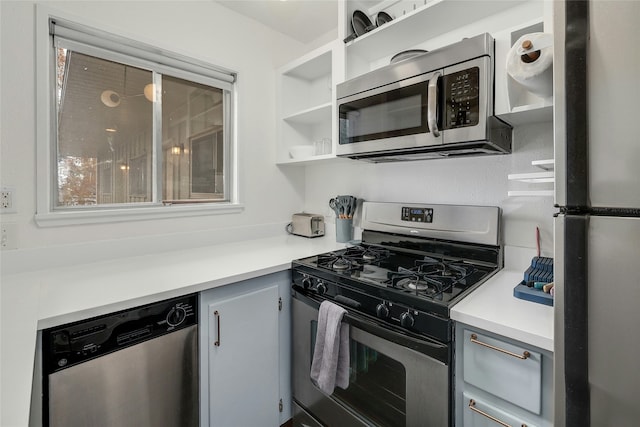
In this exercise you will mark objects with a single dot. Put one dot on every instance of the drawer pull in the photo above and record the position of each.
(525, 354)
(472, 406)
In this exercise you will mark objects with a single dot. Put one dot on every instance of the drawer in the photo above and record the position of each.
(505, 370)
(479, 413)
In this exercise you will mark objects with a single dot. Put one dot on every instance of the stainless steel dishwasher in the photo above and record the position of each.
(137, 367)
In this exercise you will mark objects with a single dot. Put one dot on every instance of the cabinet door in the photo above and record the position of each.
(243, 360)
(502, 369)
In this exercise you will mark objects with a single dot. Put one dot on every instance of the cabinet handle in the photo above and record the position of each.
(525, 354)
(472, 406)
(217, 316)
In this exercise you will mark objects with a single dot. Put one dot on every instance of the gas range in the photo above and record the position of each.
(408, 271)
(398, 285)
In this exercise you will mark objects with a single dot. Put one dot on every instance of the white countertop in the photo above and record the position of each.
(493, 307)
(50, 297)
(54, 296)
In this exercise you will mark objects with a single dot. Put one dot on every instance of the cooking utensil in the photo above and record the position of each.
(343, 201)
(382, 18)
(361, 23)
(350, 37)
(333, 204)
(343, 206)
(346, 200)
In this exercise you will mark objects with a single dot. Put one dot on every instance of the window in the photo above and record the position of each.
(133, 126)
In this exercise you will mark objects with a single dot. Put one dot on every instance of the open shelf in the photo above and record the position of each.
(530, 193)
(535, 178)
(305, 105)
(546, 164)
(429, 19)
(310, 115)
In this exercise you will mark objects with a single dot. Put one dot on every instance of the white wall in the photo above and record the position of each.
(200, 29)
(213, 33)
(469, 181)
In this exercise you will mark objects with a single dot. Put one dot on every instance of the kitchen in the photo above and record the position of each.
(163, 252)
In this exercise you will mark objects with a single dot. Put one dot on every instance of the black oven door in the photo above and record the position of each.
(395, 379)
(388, 118)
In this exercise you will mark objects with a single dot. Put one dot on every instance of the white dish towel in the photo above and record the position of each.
(330, 365)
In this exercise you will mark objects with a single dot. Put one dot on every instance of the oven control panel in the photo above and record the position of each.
(417, 214)
(357, 301)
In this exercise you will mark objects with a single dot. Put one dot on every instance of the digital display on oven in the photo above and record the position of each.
(417, 214)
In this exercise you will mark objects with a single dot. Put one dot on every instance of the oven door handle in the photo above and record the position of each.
(422, 344)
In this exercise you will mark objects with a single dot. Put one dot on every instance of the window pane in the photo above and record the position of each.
(105, 138)
(193, 141)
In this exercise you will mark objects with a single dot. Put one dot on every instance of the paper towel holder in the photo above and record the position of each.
(527, 49)
(530, 55)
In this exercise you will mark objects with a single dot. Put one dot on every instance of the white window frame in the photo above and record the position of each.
(97, 37)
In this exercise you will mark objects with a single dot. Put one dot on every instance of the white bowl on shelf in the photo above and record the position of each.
(301, 151)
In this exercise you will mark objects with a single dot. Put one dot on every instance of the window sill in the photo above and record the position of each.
(98, 216)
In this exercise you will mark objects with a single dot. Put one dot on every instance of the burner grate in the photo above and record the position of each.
(352, 258)
(432, 277)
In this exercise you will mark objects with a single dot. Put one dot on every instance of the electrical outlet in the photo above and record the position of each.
(7, 202)
(8, 235)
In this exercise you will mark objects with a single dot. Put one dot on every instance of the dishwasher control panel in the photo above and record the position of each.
(66, 345)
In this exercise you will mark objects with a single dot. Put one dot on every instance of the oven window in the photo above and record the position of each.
(395, 113)
(377, 385)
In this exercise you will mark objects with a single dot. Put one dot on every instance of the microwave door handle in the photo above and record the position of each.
(432, 104)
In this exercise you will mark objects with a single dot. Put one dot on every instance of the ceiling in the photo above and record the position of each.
(302, 20)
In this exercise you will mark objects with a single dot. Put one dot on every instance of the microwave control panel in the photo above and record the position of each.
(461, 92)
(417, 214)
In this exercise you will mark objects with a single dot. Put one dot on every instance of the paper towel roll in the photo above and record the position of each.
(530, 63)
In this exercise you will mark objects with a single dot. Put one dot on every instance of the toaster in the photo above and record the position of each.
(307, 225)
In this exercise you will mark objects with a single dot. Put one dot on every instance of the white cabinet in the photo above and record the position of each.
(499, 380)
(244, 353)
(306, 107)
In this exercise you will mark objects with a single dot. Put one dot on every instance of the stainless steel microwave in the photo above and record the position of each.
(434, 105)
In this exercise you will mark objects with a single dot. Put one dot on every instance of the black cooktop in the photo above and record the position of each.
(414, 263)
(425, 279)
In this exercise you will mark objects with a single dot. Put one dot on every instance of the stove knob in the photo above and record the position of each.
(321, 288)
(306, 282)
(382, 311)
(406, 319)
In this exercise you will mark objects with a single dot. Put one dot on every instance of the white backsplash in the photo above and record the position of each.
(469, 181)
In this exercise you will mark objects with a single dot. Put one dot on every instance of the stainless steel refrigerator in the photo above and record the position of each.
(597, 230)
